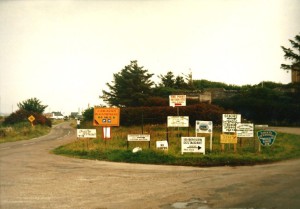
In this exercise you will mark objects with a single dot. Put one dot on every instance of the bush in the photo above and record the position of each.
(158, 115)
(22, 116)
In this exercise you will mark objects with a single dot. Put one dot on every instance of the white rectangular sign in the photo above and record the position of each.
(86, 133)
(106, 132)
(162, 145)
(204, 126)
(229, 122)
(193, 144)
(245, 129)
(178, 121)
(138, 137)
(177, 100)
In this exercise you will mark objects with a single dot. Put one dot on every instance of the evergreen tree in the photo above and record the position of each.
(292, 54)
(168, 80)
(131, 87)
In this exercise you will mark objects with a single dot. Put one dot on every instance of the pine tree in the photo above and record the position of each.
(131, 87)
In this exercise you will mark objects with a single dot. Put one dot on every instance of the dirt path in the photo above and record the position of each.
(31, 177)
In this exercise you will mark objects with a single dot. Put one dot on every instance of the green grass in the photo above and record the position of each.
(286, 146)
(22, 131)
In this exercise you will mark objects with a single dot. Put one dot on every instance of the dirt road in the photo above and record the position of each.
(31, 177)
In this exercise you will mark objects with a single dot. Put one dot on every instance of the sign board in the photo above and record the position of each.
(204, 126)
(228, 139)
(162, 145)
(138, 137)
(193, 144)
(262, 126)
(86, 133)
(104, 116)
(177, 100)
(244, 129)
(266, 137)
(106, 132)
(31, 118)
(178, 121)
(229, 122)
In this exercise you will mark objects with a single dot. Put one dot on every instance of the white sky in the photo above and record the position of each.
(63, 52)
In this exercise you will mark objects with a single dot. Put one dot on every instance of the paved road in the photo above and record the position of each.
(31, 177)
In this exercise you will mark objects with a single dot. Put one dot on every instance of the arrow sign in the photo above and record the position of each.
(193, 144)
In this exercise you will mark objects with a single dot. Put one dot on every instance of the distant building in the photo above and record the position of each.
(210, 94)
(54, 115)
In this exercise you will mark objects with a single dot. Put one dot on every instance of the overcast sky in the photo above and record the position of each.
(63, 52)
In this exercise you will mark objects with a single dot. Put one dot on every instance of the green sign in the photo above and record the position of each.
(266, 137)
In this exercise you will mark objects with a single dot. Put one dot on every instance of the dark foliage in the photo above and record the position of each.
(22, 116)
(265, 105)
(32, 105)
(158, 115)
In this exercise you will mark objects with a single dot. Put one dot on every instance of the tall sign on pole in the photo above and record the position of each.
(229, 122)
(177, 100)
(105, 116)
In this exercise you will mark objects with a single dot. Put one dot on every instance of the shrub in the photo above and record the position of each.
(158, 115)
(22, 116)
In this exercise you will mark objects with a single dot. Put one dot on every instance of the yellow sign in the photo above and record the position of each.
(31, 118)
(104, 116)
(228, 139)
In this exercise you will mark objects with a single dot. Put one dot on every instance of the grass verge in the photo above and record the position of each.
(22, 131)
(286, 146)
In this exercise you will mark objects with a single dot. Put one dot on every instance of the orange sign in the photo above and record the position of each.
(104, 116)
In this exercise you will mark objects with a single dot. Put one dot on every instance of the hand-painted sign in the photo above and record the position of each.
(193, 144)
(266, 137)
(178, 121)
(228, 139)
(86, 133)
(229, 122)
(244, 129)
(204, 126)
(104, 116)
(177, 100)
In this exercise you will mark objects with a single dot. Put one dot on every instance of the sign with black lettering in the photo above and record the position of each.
(229, 122)
(193, 144)
(86, 133)
(162, 145)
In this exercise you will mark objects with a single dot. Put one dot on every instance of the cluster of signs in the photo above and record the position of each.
(231, 123)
